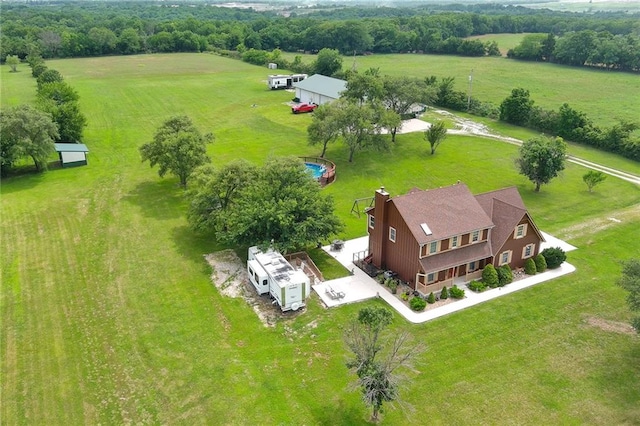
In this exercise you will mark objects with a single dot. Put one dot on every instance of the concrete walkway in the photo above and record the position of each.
(359, 286)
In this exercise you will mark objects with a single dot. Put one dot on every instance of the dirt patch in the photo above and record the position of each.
(230, 278)
(610, 326)
(596, 225)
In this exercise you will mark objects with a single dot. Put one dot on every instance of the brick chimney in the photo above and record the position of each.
(377, 241)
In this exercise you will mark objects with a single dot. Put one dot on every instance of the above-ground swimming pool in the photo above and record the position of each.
(316, 169)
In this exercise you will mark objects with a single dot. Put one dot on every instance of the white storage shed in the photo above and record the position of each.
(269, 272)
(319, 89)
(72, 154)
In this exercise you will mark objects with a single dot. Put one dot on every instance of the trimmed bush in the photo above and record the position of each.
(541, 263)
(444, 293)
(418, 303)
(554, 256)
(456, 292)
(477, 286)
(530, 267)
(393, 285)
(431, 298)
(490, 276)
(405, 296)
(505, 276)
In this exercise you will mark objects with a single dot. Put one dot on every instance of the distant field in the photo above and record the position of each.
(109, 316)
(631, 6)
(603, 95)
(505, 41)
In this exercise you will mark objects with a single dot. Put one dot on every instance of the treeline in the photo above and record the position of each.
(31, 132)
(599, 49)
(94, 29)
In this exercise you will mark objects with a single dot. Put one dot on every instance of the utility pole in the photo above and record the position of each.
(470, 89)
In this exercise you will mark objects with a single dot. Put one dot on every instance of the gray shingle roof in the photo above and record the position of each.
(323, 85)
(71, 147)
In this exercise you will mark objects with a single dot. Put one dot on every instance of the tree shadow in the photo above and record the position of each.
(158, 200)
(193, 246)
(20, 182)
(338, 415)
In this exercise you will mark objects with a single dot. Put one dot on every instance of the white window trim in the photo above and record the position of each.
(451, 246)
(475, 266)
(471, 240)
(524, 251)
(500, 262)
(393, 231)
(371, 221)
(524, 231)
(435, 275)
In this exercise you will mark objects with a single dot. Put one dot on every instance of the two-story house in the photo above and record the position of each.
(439, 237)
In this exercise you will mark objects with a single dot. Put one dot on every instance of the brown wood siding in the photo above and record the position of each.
(485, 234)
(465, 239)
(516, 245)
(403, 256)
(444, 245)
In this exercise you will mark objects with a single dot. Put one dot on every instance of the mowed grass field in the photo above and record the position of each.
(604, 96)
(109, 315)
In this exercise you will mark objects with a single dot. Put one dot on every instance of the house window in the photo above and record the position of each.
(505, 257)
(431, 277)
(473, 266)
(475, 236)
(528, 250)
(454, 242)
(392, 234)
(372, 221)
(433, 247)
(521, 231)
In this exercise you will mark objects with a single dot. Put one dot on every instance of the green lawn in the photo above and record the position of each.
(505, 41)
(109, 316)
(604, 96)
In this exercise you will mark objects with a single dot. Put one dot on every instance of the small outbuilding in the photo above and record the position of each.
(72, 154)
(319, 89)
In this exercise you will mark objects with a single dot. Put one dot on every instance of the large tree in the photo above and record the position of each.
(178, 147)
(25, 131)
(630, 281)
(377, 359)
(541, 159)
(61, 101)
(213, 193)
(358, 126)
(516, 108)
(401, 94)
(435, 134)
(324, 127)
(278, 205)
(328, 62)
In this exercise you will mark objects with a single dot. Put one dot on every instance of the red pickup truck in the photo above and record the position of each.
(300, 108)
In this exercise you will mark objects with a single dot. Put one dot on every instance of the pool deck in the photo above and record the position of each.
(359, 286)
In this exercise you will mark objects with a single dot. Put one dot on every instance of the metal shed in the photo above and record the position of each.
(72, 154)
(319, 89)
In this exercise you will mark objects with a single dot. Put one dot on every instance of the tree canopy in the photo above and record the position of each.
(541, 159)
(516, 108)
(278, 205)
(630, 281)
(435, 134)
(377, 359)
(26, 132)
(178, 148)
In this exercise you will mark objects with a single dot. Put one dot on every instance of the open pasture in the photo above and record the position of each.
(109, 316)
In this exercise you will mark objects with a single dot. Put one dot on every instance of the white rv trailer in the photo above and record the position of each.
(281, 81)
(269, 272)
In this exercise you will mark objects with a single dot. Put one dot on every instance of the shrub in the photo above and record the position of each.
(490, 276)
(530, 267)
(417, 303)
(444, 293)
(431, 298)
(456, 292)
(554, 256)
(477, 286)
(405, 296)
(393, 285)
(541, 263)
(505, 276)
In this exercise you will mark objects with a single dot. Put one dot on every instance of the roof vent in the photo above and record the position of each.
(426, 229)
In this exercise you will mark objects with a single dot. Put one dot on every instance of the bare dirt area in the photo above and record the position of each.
(610, 326)
(230, 278)
(596, 225)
